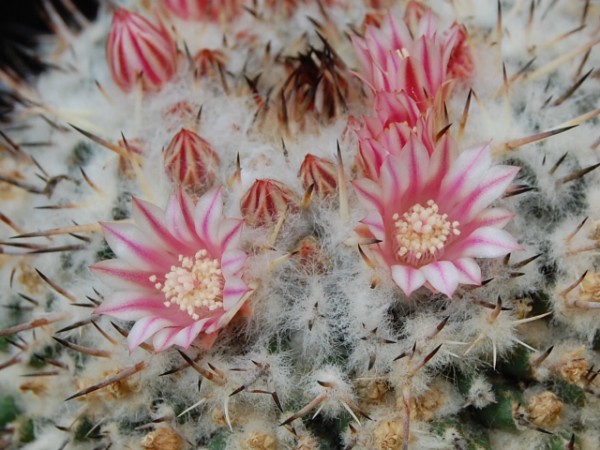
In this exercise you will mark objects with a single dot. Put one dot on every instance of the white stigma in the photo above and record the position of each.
(422, 231)
(196, 283)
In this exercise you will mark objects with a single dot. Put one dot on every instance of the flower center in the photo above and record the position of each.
(196, 283)
(421, 232)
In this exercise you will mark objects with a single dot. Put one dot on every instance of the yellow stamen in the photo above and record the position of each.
(196, 283)
(421, 232)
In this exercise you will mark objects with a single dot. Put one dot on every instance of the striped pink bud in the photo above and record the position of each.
(203, 9)
(319, 172)
(137, 48)
(191, 162)
(265, 201)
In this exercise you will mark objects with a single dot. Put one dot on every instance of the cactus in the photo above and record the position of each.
(303, 225)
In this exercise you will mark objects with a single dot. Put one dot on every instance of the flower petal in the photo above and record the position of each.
(221, 321)
(485, 242)
(492, 217)
(230, 231)
(121, 276)
(133, 247)
(150, 220)
(208, 218)
(497, 179)
(466, 172)
(442, 158)
(374, 221)
(442, 276)
(144, 328)
(132, 305)
(407, 278)
(469, 271)
(233, 291)
(393, 183)
(180, 217)
(413, 167)
(187, 334)
(368, 193)
(164, 338)
(232, 261)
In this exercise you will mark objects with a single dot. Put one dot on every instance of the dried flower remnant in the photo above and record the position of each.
(266, 201)
(590, 288)
(544, 409)
(432, 215)
(162, 439)
(259, 441)
(317, 83)
(389, 435)
(138, 50)
(178, 274)
(190, 161)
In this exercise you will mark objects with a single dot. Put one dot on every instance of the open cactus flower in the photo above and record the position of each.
(178, 273)
(358, 224)
(431, 215)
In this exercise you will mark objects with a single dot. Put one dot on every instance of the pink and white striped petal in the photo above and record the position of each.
(369, 193)
(466, 172)
(179, 217)
(492, 217)
(234, 290)
(186, 336)
(407, 278)
(497, 179)
(150, 220)
(412, 168)
(232, 262)
(374, 221)
(165, 338)
(209, 210)
(119, 275)
(442, 276)
(469, 271)
(132, 305)
(230, 233)
(132, 246)
(485, 242)
(145, 328)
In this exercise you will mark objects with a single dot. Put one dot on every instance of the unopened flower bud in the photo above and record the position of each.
(319, 172)
(265, 201)
(138, 49)
(191, 162)
(202, 9)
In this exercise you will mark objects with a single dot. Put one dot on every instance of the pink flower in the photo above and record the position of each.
(431, 213)
(178, 273)
(137, 48)
(422, 66)
(396, 117)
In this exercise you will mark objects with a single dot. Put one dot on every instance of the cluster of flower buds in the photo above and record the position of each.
(428, 205)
